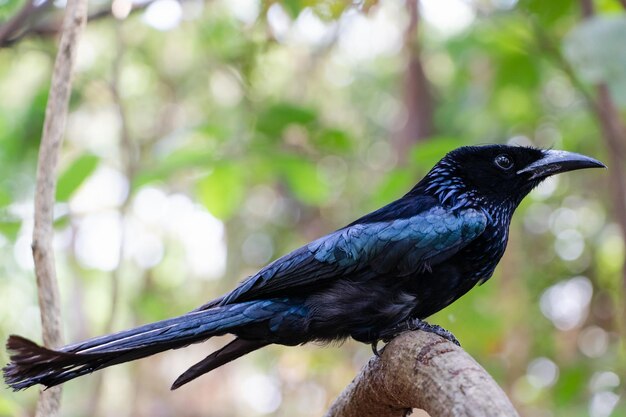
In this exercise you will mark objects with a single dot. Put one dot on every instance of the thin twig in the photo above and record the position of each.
(51, 27)
(14, 28)
(52, 138)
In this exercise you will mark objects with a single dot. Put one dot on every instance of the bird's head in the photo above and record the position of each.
(499, 175)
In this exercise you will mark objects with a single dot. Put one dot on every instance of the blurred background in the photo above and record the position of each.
(207, 137)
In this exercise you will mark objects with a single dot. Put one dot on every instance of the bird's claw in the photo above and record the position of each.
(417, 324)
(375, 348)
(433, 328)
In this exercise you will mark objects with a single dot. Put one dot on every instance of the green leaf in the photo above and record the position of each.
(8, 8)
(428, 153)
(10, 228)
(75, 175)
(513, 104)
(303, 180)
(223, 190)
(180, 160)
(293, 7)
(217, 131)
(518, 69)
(5, 197)
(223, 38)
(334, 140)
(570, 385)
(395, 184)
(547, 11)
(277, 117)
(8, 407)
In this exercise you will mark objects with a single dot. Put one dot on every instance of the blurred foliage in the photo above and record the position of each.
(74, 175)
(256, 127)
(604, 64)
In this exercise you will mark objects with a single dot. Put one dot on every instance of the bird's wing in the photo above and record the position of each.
(395, 247)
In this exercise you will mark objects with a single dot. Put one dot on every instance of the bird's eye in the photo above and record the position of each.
(504, 161)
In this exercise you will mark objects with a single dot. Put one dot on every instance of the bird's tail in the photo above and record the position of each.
(230, 352)
(32, 364)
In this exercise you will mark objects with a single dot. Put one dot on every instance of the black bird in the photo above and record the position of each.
(374, 278)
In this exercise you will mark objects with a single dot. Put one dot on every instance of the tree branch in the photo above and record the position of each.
(422, 370)
(52, 138)
(50, 26)
(10, 30)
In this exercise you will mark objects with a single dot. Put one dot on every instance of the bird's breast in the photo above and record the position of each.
(480, 258)
(449, 280)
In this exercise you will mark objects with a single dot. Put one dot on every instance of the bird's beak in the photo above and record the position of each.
(556, 162)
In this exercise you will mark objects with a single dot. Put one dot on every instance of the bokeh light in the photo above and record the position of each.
(566, 304)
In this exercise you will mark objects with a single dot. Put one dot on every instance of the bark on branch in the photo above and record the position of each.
(51, 140)
(422, 370)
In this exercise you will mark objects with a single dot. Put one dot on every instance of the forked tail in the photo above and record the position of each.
(32, 364)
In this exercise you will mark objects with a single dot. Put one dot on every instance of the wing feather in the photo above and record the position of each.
(397, 247)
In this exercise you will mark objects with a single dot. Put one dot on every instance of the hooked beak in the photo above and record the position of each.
(556, 162)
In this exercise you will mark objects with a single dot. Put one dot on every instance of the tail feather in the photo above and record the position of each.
(33, 364)
(228, 353)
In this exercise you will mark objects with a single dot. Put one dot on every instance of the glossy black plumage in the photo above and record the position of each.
(368, 280)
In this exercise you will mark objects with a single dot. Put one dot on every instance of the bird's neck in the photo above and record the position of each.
(451, 192)
(500, 212)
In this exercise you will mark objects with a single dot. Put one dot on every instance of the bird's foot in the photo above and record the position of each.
(375, 348)
(409, 325)
(417, 324)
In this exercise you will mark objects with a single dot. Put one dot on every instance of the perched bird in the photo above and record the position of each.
(378, 276)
